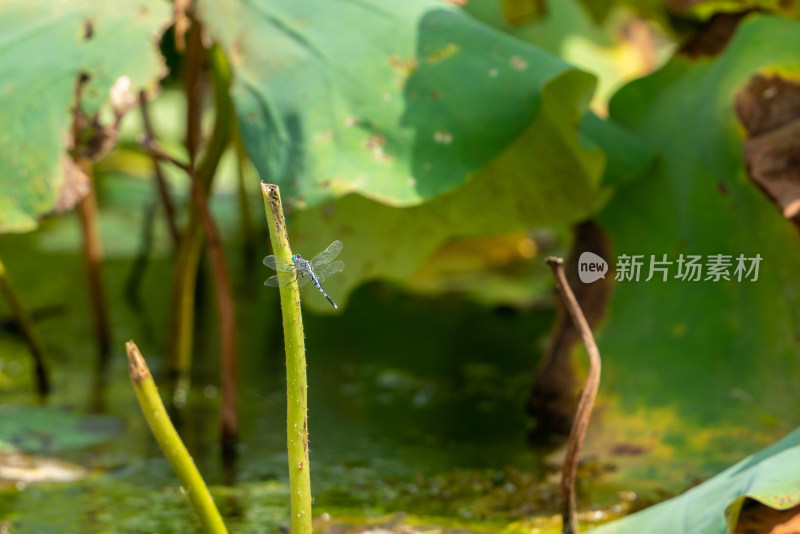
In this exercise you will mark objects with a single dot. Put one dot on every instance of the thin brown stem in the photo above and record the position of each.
(92, 248)
(227, 318)
(163, 189)
(194, 87)
(180, 13)
(149, 144)
(585, 403)
(93, 254)
(28, 330)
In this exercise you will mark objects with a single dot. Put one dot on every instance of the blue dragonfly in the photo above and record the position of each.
(317, 270)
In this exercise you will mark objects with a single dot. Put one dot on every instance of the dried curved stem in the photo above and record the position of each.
(585, 403)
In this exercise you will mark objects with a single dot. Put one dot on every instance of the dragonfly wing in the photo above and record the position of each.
(272, 281)
(326, 271)
(274, 262)
(275, 281)
(302, 278)
(327, 255)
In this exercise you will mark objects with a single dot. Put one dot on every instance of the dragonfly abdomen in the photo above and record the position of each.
(315, 281)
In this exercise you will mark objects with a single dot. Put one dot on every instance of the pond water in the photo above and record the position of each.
(415, 403)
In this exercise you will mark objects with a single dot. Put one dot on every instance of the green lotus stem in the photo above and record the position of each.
(248, 232)
(25, 323)
(224, 120)
(184, 282)
(169, 441)
(296, 386)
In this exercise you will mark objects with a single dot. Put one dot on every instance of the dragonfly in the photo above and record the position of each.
(317, 270)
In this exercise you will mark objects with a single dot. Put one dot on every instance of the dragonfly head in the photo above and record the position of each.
(296, 257)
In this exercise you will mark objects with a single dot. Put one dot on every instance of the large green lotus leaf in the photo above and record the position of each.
(397, 101)
(658, 10)
(705, 9)
(564, 21)
(628, 157)
(568, 31)
(698, 374)
(545, 178)
(770, 477)
(45, 46)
